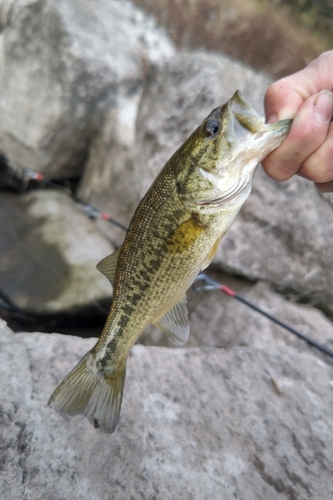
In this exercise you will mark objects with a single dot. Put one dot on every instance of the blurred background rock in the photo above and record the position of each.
(275, 36)
(96, 96)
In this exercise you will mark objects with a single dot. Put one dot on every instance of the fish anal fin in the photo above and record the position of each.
(92, 393)
(108, 265)
(175, 323)
(184, 236)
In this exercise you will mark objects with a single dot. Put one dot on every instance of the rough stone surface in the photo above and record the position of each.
(283, 235)
(49, 250)
(67, 66)
(9, 10)
(246, 423)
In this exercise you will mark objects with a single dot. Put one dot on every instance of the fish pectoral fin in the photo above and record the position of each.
(175, 323)
(92, 393)
(108, 265)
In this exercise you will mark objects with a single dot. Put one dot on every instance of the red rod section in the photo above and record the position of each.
(227, 290)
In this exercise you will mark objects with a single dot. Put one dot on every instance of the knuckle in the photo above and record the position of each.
(309, 131)
(322, 62)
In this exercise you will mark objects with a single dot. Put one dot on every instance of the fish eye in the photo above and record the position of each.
(211, 128)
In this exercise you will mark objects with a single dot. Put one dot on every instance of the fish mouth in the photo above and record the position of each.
(247, 129)
(245, 121)
(242, 119)
(249, 141)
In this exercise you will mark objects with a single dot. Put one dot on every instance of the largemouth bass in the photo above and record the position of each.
(173, 235)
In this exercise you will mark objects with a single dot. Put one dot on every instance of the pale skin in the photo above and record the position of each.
(306, 97)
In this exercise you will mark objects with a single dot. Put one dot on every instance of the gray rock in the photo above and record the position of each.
(9, 9)
(245, 422)
(49, 250)
(68, 66)
(284, 235)
(176, 98)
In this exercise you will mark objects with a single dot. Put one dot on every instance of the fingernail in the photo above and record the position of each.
(323, 106)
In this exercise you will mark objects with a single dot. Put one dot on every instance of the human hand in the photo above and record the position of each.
(308, 149)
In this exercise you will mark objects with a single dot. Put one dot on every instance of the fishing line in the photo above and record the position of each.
(202, 281)
(206, 283)
(89, 210)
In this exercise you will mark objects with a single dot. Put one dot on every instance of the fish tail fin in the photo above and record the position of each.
(89, 391)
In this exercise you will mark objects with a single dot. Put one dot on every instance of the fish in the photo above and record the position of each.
(173, 235)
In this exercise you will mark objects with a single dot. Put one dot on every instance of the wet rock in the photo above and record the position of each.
(69, 66)
(49, 250)
(244, 422)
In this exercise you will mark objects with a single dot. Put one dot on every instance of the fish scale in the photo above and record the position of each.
(173, 235)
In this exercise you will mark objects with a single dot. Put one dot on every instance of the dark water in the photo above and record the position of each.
(90, 325)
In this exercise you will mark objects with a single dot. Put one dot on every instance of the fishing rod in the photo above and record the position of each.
(202, 282)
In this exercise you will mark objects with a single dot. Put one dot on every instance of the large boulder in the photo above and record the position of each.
(176, 98)
(49, 250)
(283, 233)
(243, 422)
(67, 67)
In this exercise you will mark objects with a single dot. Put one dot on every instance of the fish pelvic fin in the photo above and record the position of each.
(91, 392)
(175, 323)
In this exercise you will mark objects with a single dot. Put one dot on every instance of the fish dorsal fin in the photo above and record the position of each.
(108, 265)
(175, 323)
